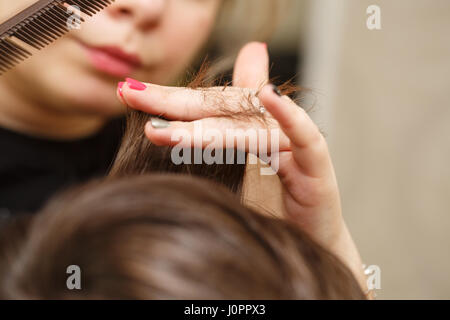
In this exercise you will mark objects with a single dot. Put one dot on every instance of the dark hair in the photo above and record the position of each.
(137, 155)
(168, 237)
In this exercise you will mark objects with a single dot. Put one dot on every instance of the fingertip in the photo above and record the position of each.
(254, 45)
(269, 94)
(252, 66)
(148, 127)
(276, 90)
(280, 107)
(134, 99)
(119, 87)
(152, 134)
(119, 92)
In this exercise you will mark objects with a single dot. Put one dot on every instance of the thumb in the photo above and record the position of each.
(251, 69)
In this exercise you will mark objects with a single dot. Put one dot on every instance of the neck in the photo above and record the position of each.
(20, 112)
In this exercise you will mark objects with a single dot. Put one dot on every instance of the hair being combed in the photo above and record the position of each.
(137, 155)
(167, 237)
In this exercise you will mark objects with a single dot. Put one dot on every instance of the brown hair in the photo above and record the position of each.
(168, 237)
(137, 155)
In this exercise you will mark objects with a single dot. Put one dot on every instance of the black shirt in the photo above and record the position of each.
(33, 169)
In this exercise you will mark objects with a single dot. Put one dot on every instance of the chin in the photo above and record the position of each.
(91, 96)
(101, 104)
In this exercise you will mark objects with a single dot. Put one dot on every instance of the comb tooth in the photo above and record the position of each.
(27, 33)
(54, 21)
(61, 11)
(3, 59)
(15, 48)
(52, 28)
(32, 34)
(3, 69)
(28, 39)
(2, 64)
(22, 51)
(57, 16)
(7, 60)
(41, 31)
(38, 32)
(102, 3)
(13, 56)
(38, 26)
(83, 7)
(98, 5)
(30, 26)
(45, 26)
(48, 29)
(95, 6)
(91, 6)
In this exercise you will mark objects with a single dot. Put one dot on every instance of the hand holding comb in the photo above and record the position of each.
(39, 25)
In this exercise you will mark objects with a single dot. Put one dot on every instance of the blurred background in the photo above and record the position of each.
(382, 98)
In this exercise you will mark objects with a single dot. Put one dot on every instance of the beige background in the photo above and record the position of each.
(384, 102)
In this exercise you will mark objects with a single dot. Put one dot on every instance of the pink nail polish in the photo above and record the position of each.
(120, 86)
(136, 85)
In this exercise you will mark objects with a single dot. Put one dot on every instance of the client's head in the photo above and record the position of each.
(166, 237)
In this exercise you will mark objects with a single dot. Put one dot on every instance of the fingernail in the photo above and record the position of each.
(136, 85)
(120, 86)
(265, 45)
(158, 123)
(276, 90)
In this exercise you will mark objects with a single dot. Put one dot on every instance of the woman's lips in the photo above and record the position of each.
(113, 60)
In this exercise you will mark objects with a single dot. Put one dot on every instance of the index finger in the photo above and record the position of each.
(179, 103)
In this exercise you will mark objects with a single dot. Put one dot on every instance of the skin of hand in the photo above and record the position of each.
(310, 193)
(251, 70)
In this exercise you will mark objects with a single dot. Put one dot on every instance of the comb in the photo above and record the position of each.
(39, 25)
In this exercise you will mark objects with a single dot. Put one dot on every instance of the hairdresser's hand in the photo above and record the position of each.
(311, 194)
(312, 197)
(218, 108)
(311, 191)
(208, 116)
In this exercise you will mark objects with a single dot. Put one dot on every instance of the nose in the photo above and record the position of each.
(144, 14)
